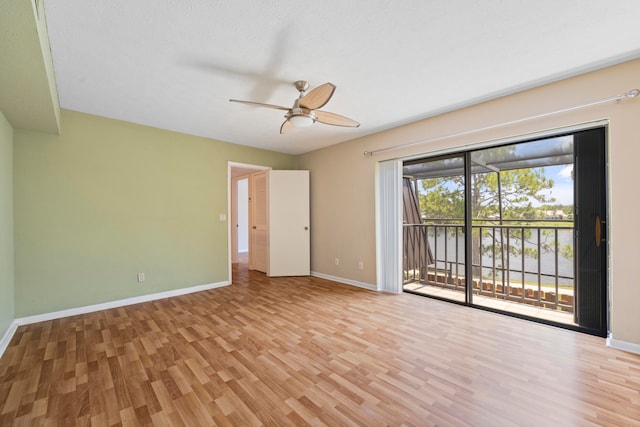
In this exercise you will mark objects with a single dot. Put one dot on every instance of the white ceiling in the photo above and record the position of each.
(174, 64)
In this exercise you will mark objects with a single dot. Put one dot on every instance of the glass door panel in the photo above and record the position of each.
(433, 227)
(522, 208)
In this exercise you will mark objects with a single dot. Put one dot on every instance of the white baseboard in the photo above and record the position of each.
(345, 281)
(6, 338)
(623, 345)
(117, 303)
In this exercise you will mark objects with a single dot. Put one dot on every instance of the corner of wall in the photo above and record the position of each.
(7, 283)
(45, 47)
(5, 338)
(623, 345)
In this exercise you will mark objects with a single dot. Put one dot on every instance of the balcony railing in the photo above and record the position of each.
(530, 264)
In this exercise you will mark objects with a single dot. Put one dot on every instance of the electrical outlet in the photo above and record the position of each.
(337, 261)
(360, 265)
(140, 277)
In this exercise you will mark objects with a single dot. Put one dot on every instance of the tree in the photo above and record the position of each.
(508, 194)
(444, 197)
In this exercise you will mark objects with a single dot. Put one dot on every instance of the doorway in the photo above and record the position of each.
(239, 247)
(501, 235)
(240, 220)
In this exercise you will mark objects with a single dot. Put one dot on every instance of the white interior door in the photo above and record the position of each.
(259, 213)
(289, 235)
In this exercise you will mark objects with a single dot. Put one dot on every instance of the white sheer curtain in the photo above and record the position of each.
(389, 226)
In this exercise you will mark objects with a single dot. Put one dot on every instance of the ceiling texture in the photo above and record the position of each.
(174, 64)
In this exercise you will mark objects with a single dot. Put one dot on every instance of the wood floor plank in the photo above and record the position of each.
(307, 351)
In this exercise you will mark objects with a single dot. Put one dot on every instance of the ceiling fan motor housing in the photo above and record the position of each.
(301, 85)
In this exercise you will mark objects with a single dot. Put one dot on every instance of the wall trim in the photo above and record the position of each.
(117, 303)
(345, 281)
(623, 345)
(6, 338)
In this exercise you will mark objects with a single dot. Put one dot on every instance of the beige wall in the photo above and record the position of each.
(107, 199)
(343, 192)
(6, 225)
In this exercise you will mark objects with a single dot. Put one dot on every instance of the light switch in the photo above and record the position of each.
(223, 217)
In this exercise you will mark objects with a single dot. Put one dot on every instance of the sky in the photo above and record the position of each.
(562, 189)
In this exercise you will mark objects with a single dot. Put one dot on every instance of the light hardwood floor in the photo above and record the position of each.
(306, 351)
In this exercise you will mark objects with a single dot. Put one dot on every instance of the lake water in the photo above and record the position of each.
(513, 261)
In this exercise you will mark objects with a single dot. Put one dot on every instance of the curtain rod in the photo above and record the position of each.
(627, 95)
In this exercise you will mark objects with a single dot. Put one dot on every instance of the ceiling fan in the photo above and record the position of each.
(305, 109)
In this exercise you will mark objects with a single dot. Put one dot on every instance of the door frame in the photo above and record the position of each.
(236, 170)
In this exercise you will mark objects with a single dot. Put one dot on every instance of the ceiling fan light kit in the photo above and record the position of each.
(304, 111)
(301, 120)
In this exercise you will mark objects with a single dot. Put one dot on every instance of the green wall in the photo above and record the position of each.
(108, 199)
(6, 225)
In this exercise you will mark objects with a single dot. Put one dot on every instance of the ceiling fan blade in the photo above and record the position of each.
(318, 97)
(260, 104)
(286, 127)
(335, 119)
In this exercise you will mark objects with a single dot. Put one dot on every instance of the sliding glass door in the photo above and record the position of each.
(532, 215)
